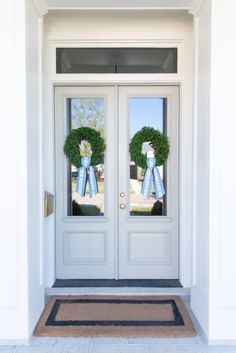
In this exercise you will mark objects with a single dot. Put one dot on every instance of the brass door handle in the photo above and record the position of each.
(122, 206)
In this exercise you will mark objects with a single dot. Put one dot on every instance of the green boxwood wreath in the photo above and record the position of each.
(71, 146)
(159, 143)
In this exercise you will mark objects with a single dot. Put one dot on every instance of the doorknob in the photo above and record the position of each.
(122, 206)
(122, 194)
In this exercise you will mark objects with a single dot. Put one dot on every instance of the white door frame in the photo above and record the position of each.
(185, 151)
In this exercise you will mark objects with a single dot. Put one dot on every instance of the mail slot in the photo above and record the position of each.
(48, 204)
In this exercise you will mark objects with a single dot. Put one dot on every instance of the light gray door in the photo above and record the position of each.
(85, 227)
(118, 233)
(148, 229)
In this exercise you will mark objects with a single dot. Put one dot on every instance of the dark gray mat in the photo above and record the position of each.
(149, 283)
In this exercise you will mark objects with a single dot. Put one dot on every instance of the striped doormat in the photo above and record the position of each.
(126, 316)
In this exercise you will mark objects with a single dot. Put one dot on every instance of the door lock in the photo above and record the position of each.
(122, 194)
(122, 206)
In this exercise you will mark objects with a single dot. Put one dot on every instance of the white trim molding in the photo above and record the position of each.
(179, 39)
(41, 7)
(121, 4)
(195, 7)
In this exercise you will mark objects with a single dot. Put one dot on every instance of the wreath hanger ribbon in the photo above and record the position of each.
(152, 174)
(86, 174)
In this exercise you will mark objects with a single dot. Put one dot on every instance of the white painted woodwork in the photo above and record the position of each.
(213, 292)
(80, 248)
(214, 288)
(148, 246)
(111, 4)
(34, 164)
(41, 7)
(200, 285)
(85, 246)
(22, 294)
(123, 29)
(13, 154)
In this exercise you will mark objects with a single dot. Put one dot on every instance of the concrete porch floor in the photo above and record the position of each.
(120, 345)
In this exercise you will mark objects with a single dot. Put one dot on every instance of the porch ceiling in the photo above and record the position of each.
(116, 4)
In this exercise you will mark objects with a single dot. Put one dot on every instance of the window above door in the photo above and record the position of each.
(116, 60)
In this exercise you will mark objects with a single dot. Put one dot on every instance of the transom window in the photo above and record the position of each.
(116, 60)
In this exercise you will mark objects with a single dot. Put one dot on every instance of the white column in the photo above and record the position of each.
(222, 221)
(21, 295)
(214, 285)
(13, 176)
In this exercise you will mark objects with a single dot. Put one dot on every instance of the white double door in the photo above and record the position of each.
(119, 233)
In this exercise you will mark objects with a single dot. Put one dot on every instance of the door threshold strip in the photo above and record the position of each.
(121, 283)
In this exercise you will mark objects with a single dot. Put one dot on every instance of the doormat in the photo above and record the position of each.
(126, 316)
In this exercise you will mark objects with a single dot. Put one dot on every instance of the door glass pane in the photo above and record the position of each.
(116, 60)
(87, 112)
(149, 112)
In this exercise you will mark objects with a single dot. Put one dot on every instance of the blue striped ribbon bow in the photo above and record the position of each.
(86, 174)
(152, 174)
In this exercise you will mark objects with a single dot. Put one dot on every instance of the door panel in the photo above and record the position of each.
(148, 240)
(85, 227)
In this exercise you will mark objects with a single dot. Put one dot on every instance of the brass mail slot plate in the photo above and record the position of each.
(48, 204)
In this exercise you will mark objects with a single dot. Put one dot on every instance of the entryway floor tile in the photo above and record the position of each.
(53, 349)
(220, 349)
(116, 345)
(110, 340)
(150, 341)
(60, 341)
(175, 348)
(118, 348)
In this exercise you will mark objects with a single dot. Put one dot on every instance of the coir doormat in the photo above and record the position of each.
(127, 316)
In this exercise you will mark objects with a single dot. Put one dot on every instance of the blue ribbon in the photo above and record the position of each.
(152, 174)
(86, 174)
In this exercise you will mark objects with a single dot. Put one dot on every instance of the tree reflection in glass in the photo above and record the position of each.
(85, 112)
(151, 112)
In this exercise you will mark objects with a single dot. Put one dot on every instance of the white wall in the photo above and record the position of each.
(20, 299)
(123, 28)
(117, 23)
(214, 290)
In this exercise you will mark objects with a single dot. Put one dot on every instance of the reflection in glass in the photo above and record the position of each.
(116, 60)
(85, 112)
(149, 112)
